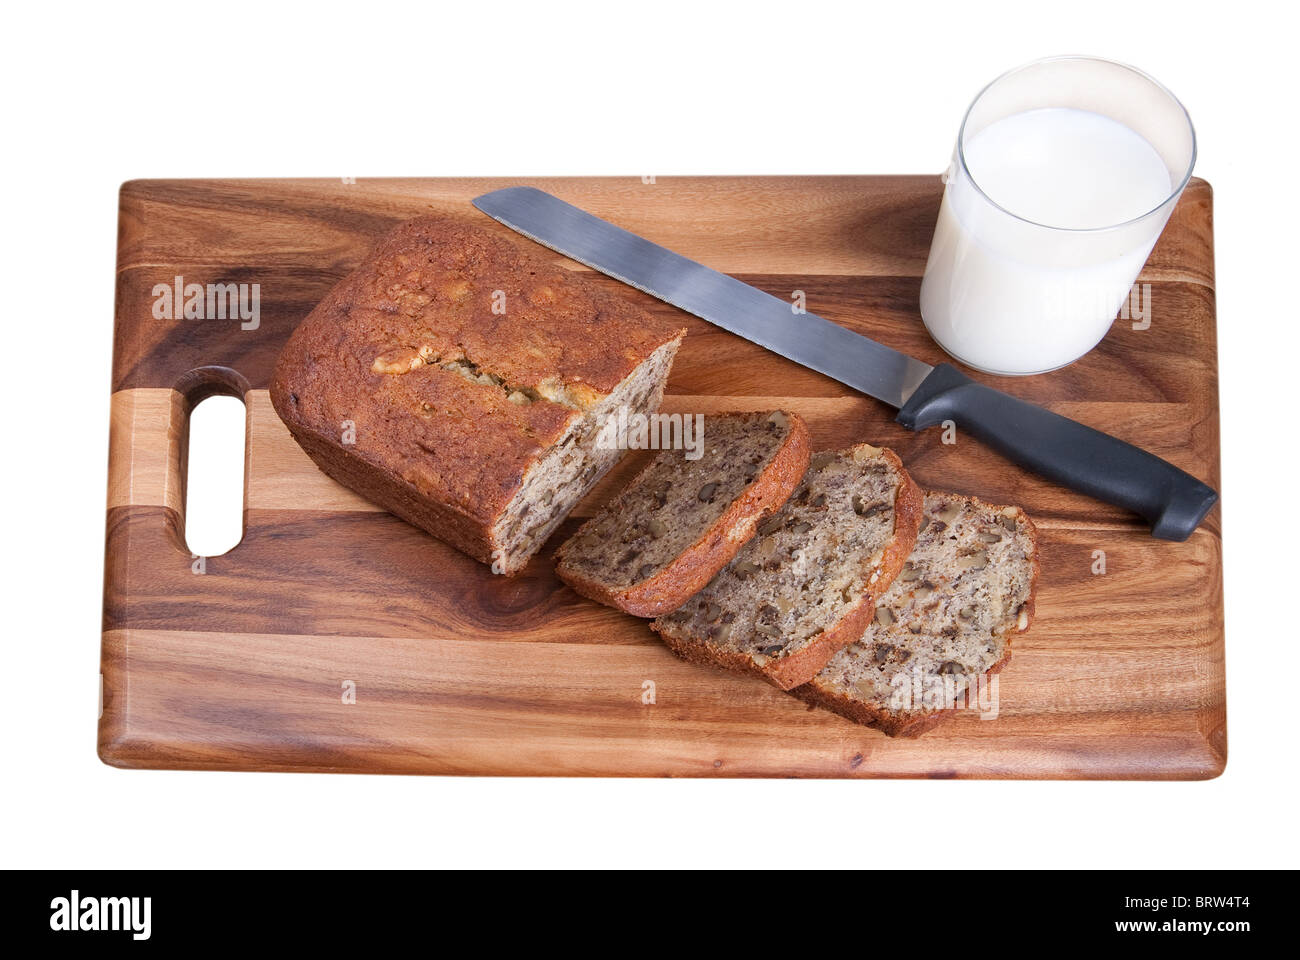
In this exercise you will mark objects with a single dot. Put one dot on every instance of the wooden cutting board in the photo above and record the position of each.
(249, 664)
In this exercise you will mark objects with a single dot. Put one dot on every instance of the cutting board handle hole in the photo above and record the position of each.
(214, 476)
(212, 455)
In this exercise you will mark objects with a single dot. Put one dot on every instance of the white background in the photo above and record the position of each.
(108, 93)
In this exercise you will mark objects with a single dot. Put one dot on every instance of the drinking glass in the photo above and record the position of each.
(1006, 290)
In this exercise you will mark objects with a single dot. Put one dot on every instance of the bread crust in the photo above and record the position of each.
(913, 723)
(695, 566)
(789, 672)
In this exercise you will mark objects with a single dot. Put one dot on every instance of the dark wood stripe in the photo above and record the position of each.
(1166, 362)
(370, 574)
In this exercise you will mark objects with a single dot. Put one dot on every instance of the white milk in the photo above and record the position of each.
(1034, 291)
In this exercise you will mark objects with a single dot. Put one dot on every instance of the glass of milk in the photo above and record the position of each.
(1065, 172)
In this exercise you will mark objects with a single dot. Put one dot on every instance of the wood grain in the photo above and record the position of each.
(460, 672)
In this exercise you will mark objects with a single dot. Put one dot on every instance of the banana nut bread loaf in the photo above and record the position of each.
(807, 584)
(682, 519)
(944, 625)
(461, 381)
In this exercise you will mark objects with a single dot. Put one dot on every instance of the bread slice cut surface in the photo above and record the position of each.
(684, 517)
(805, 586)
(945, 624)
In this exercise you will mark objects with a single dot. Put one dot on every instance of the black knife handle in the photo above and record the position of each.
(1058, 448)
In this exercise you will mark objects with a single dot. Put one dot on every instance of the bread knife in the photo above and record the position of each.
(1067, 452)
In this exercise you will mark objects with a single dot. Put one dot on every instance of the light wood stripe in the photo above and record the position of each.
(144, 448)
(280, 476)
(435, 705)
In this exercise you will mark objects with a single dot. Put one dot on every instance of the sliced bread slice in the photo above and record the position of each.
(680, 520)
(806, 585)
(945, 623)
